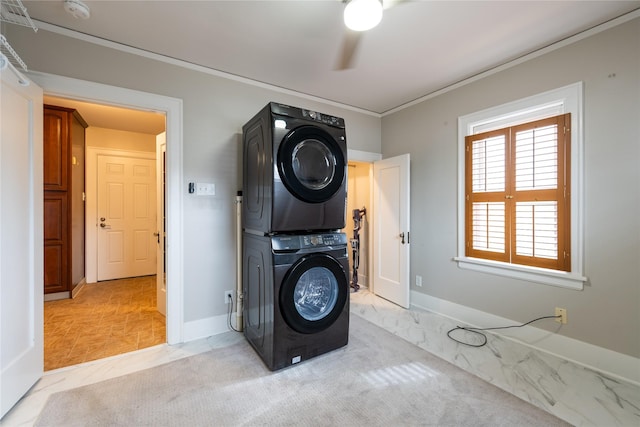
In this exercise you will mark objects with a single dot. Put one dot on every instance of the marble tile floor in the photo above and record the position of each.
(105, 319)
(574, 393)
(571, 392)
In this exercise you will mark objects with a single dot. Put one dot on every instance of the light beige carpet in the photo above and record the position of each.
(378, 379)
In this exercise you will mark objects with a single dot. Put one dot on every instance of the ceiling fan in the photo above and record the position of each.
(359, 16)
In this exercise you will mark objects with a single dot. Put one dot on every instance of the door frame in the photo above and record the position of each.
(367, 157)
(83, 90)
(161, 289)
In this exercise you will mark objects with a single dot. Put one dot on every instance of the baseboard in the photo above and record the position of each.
(57, 296)
(75, 291)
(363, 280)
(204, 328)
(608, 362)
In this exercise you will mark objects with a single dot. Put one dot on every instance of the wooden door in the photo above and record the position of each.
(56, 242)
(56, 149)
(63, 183)
(56, 183)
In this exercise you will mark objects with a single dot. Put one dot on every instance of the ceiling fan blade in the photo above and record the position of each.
(350, 44)
(388, 4)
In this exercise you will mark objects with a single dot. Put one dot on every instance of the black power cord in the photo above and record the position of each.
(484, 337)
(230, 303)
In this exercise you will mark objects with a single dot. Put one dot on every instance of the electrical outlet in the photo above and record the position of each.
(418, 280)
(563, 313)
(228, 297)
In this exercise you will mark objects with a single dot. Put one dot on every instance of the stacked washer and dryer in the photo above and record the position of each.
(295, 259)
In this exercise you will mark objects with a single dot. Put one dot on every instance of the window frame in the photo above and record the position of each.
(508, 196)
(567, 99)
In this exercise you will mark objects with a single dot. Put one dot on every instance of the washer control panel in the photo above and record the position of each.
(291, 243)
(331, 239)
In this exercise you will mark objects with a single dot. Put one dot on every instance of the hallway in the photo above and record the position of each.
(105, 319)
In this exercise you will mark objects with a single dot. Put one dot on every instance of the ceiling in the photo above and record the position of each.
(420, 47)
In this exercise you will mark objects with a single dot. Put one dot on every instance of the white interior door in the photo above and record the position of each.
(21, 238)
(126, 212)
(391, 229)
(161, 274)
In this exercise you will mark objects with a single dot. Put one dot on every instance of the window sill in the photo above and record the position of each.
(531, 274)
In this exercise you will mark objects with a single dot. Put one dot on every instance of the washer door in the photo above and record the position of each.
(311, 164)
(313, 293)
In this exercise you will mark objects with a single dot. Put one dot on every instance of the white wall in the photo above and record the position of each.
(214, 110)
(120, 140)
(607, 312)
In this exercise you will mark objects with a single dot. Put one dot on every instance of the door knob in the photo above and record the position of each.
(402, 237)
(102, 219)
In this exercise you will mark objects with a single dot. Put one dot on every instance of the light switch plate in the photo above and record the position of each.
(205, 189)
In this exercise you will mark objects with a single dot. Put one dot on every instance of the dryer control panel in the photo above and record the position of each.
(301, 113)
(319, 117)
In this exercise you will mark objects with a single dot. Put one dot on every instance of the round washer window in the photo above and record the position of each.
(315, 293)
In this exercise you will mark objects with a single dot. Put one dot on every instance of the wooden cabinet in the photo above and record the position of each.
(64, 189)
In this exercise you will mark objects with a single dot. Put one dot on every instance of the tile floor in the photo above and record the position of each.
(105, 319)
(574, 393)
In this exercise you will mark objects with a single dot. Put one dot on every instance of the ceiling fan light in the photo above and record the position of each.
(362, 15)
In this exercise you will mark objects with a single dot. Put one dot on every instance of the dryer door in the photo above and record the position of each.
(313, 293)
(311, 164)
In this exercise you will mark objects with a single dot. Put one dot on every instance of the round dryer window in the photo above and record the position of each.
(311, 164)
(313, 293)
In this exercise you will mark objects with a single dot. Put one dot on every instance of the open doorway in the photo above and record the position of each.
(358, 216)
(118, 315)
(382, 187)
